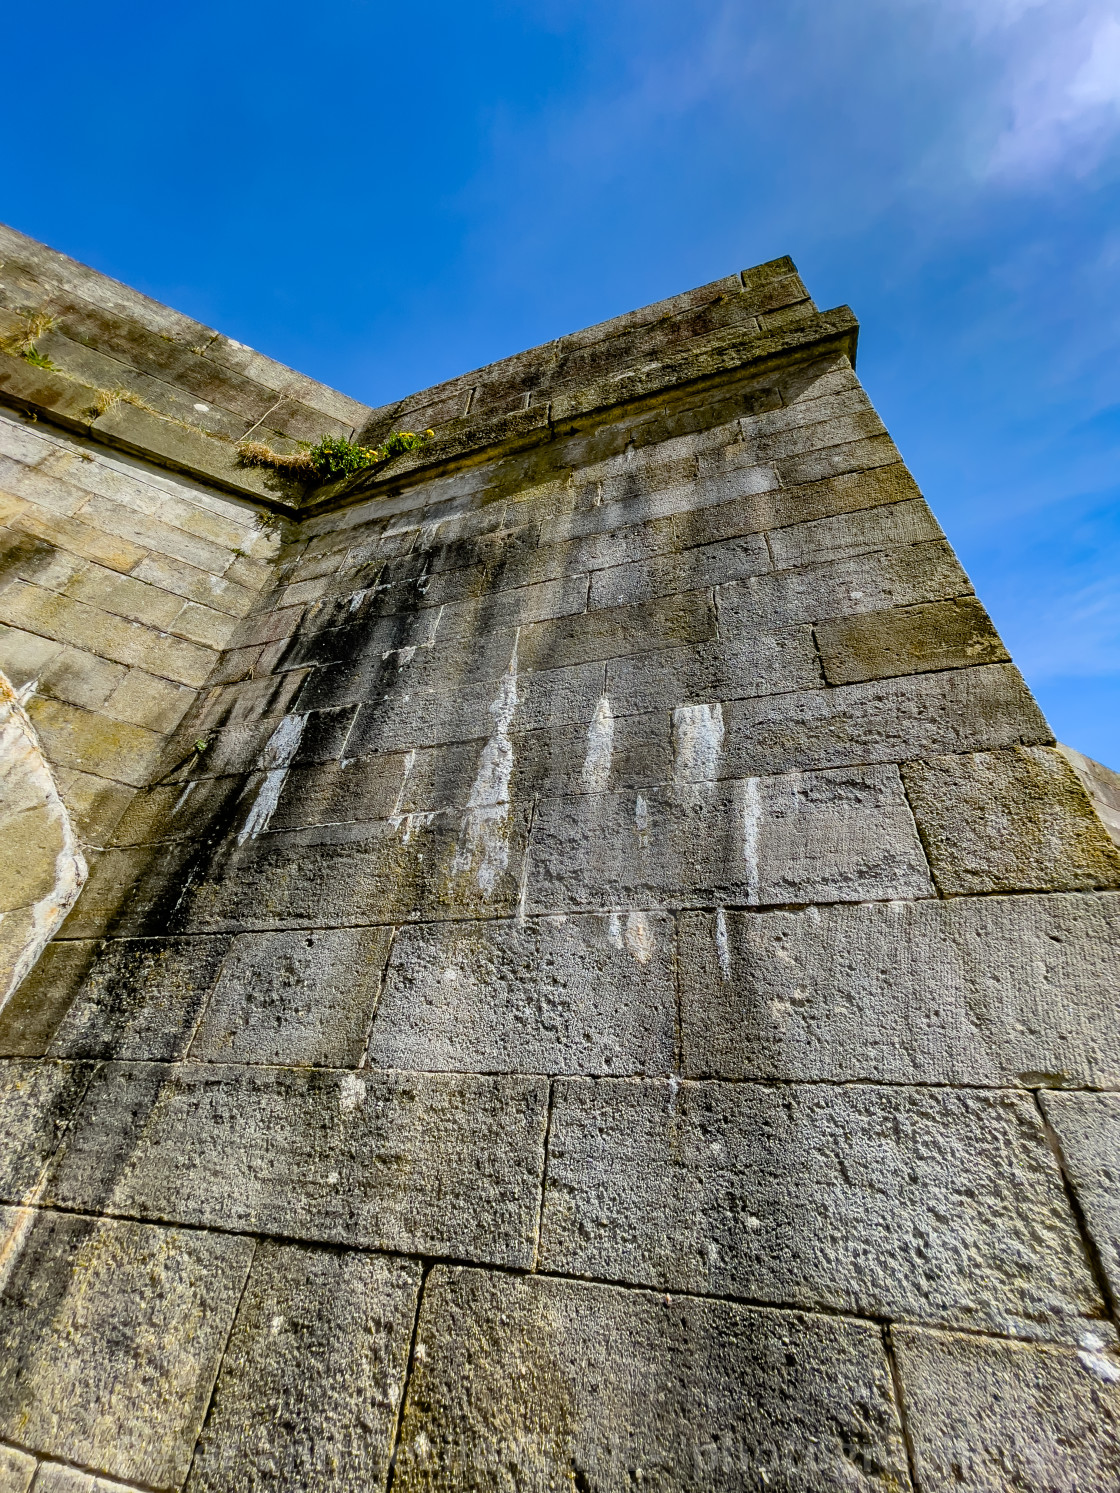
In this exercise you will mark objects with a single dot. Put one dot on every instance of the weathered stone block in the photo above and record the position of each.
(442, 1164)
(729, 669)
(56, 1477)
(412, 716)
(92, 741)
(842, 836)
(452, 863)
(856, 531)
(566, 995)
(538, 1383)
(294, 998)
(841, 588)
(141, 998)
(991, 990)
(909, 640)
(934, 1204)
(132, 1315)
(986, 1416)
(961, 710)
(16, 1470)
(37, 1101)
(691, 570)
(1008, 821)
(1088, 1130)
(31, 1016)
(313, 1374)
(800, 467)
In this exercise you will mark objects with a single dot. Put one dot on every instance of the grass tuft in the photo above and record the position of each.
(22, 344)
(330, 458)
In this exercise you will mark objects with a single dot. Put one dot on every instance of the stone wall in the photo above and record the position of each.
(624, 997)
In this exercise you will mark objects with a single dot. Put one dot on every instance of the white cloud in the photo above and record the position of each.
(1057, 82)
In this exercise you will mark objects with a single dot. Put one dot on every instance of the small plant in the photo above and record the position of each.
(38, 359)
(332, 457)
(22, 344)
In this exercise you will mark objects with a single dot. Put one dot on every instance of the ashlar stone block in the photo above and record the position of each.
(987, 1416)
(846, 587)
(16, 1470)
(444, 1164)
(937, 1205)
(841, 836)
(37, 1100)
(540, 1383)
(56, 1477)
(313, 1374)
(141, 998)
(951, 634)
(298, 997)
(545, 995)
(135, 1315)
(959, 710)
(985, 990)
(1088, 1131)
(1007, 821)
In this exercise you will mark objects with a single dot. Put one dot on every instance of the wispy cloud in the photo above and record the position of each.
(1058, 84)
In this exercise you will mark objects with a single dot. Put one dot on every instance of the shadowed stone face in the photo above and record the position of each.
(593, 975)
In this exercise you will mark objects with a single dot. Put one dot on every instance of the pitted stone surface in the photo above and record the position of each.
(432, 1163)
(37, 1101)
(1010, 821)
(840, 836)
(110, 1338)
(550, 995)
(983, 990)
(313, 1375)
(1088, 1130)
(294, 998)
(989, 1416)
(935, 1204)
(616, 1389)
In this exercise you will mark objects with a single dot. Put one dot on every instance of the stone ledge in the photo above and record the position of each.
(64, 401)
(67, 402)
(716, 356)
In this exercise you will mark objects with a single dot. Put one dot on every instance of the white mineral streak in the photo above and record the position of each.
(697, 742)
(752, 831)
(484, 834)
(596, 772)
(723, 949)
(641, 821)
(275, 759)
(639, 938)
(35, 827)
(351, 1093)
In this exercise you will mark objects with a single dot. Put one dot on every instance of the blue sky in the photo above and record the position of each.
(383, 196)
